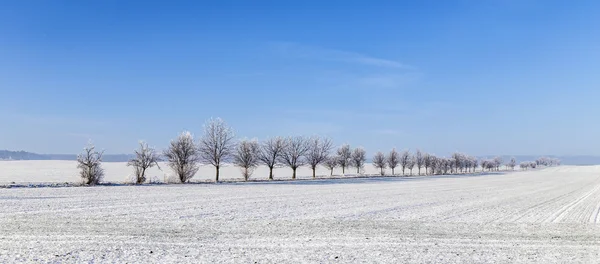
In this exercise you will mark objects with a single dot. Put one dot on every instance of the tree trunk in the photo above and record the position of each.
(382, 172)
(357, 170)
(331, 174)
(314, 172)
(271, 173)
(393, 172)
(403, 171)
(419, 171)
(217, 176)
(294, 174)
(343, 170)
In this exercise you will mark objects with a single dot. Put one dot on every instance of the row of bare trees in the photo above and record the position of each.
(217, 146)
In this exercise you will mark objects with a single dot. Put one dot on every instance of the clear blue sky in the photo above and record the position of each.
(482, 77)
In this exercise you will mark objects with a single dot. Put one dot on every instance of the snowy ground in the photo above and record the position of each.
(544, 216)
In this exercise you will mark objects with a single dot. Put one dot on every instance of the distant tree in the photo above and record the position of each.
(270, 150)
(89, 162)
(429, 161)
(412, 161)
(216, 145)
(246, 157)
(419, 160)
(359, 157)
(318, 151)
(344, 157)
(474, 163)
(183, 156)
(524, 165)
(379, 161)
(330, 163)
(497, 162)
(145, 158)
(533, 165)
(393, 160)
(404, 160)
(512, 163)
(294, 151)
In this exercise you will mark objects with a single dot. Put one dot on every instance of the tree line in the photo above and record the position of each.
(217, 146)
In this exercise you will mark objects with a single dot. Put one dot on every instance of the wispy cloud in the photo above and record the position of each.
(312, 52)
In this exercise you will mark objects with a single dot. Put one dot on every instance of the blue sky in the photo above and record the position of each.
(482, 77)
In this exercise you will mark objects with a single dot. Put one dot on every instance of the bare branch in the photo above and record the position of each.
(89, 162)
(270, 150)
(145, 158)
(379, 161)
(183, 156)
(216, 145)
(246, 156)
(293, 153)
(318, 151)
(359, 157)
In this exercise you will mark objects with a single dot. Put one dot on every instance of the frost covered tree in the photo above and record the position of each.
(474, 163)
(359, 157)
(246, 157)
(393, 160)
(318, 151)
(344, 156)
(89, 162)
(145, 158)
(532, 165)
(497, 162)
(183, 156)
(512, 163)
(293, 153)
(412, 161)
(216, 145)
(524, 165)
(331, 163)
(380, 162)
(270, 150)
(419, 160)
(404, 159)
(429, 161)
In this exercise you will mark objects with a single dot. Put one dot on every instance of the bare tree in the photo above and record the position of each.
(270, 150)
(145, 158)
(246, 157)
(419, 160)
(183, 156)
(292, 155)
(512, 163)
(404, 160)
(379, 161)
(330, 163)
(318, 151)
(89, 162)
(217, 144)
(359, 157)
(393, 160)
(344, 156)
(412, 161)
(428, 161)
(497, 162)
(474, 163)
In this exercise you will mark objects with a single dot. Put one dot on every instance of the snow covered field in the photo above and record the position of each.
(546, 216)
(61, 171)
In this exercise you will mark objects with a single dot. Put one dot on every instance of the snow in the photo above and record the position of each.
(540, 216)
(53, 171)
